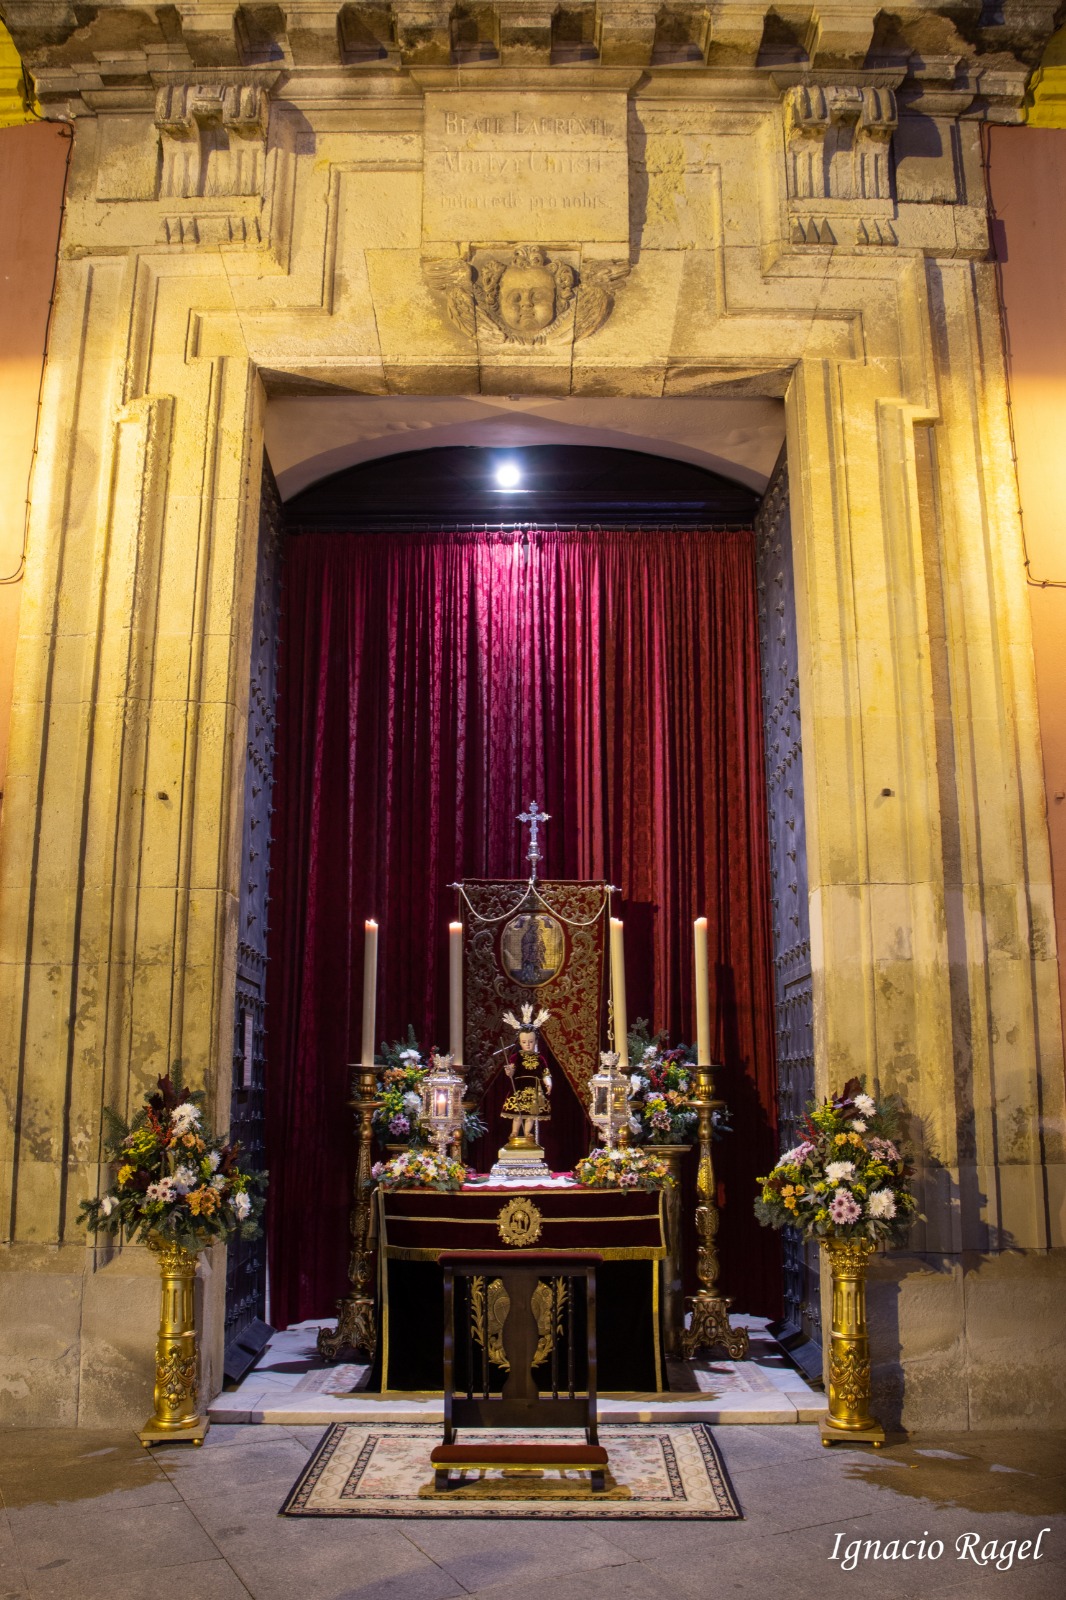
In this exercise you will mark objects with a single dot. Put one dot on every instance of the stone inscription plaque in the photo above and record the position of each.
(541, 168)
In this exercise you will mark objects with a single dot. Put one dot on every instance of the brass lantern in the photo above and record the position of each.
(609, 1111)
(442, 1102)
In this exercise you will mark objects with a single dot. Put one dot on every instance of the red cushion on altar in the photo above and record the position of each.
(519, 1455)
(558, 1263)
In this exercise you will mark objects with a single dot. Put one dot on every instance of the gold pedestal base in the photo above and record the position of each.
(356, 1330)
(874, 1435)
(710, 1327)
(153, 1432)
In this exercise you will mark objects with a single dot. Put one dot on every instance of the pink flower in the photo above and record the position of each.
(843, 1208)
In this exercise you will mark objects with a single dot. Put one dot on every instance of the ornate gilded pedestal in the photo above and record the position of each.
(849, 1416)
(673, 1285)
(710, 1309)
(356, 1328)
(177, 1362)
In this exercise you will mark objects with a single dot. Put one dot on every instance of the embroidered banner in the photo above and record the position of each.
(541, 944)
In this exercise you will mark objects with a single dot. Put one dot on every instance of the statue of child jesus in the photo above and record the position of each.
(528, 1102)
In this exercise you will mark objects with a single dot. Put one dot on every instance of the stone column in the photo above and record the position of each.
(118, 858)
(932, 948)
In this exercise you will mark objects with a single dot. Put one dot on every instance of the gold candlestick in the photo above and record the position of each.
(356, 1328)
(710, 1309)
(849, 1416)
(177, 1363)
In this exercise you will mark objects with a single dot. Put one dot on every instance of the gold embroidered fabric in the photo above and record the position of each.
(569, 986)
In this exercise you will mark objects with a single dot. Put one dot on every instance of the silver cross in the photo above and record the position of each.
(534, 818)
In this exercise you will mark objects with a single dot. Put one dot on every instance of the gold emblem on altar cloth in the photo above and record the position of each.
(533, 949)
(520, 1222)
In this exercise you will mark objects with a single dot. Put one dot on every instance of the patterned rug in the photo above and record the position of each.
(668, 1470)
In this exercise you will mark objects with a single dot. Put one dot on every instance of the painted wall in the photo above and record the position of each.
(1028, 183)
(32, 165)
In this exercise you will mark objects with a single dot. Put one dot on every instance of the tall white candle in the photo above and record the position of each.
(370, 991)
(618, 992)
(703, 993)
(455, 991)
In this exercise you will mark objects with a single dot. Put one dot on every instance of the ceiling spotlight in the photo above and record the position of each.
(508, 476)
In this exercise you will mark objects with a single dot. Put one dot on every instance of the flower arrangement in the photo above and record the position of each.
(847, 1179)
(419, 1169)
(174, 1181)
(659, 1088)
(398, 1118)
(399, 1089)
(631, 1168)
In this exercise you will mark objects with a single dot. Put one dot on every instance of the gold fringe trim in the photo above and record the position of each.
(399, 1252)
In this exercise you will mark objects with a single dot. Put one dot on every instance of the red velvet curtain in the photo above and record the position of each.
(429, 688)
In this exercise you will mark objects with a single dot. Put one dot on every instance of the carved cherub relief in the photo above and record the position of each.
(526, 297)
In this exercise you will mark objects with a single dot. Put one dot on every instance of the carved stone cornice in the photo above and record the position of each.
(113, 55)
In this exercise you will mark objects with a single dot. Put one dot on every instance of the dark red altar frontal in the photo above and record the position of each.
(626, 1228)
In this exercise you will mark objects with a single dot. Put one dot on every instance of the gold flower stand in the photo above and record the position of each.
(849, 1420)
(177, 1415)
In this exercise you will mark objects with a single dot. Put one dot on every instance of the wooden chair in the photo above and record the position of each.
(522, 1403)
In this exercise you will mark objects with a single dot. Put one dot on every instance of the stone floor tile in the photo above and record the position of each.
(634, 1581)
(321, 1557)
(88, 1542)
(761, 1446)
(225, 1435)
(307, 1435)
(198, 1580)
(471, 1550)
(67, 1465)
(240, 1467)
(11, 1574)
(691, 1543)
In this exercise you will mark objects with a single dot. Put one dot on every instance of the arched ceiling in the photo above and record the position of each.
(309, 437)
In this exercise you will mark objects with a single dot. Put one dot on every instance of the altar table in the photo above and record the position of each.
(414, 1227)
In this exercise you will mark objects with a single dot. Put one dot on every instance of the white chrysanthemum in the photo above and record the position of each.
(218, 1182)
(412, 1101)
(839, 1171)
(796, 1156)
(858, 1126)
(882, 1203)
(184, 1179)
(865, 1105)
(108, 1204)
(651, 1051)
(213, 1159)
(242, 1206)
(185, 1117)
(409, 1055)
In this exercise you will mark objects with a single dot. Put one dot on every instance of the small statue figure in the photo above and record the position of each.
(528, 1103)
